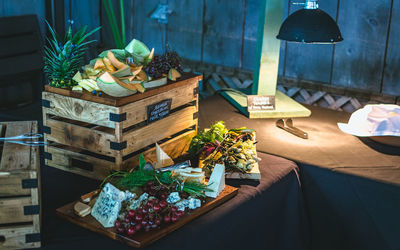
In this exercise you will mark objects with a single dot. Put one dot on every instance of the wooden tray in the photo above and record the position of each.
(120, 101)
(142, 238)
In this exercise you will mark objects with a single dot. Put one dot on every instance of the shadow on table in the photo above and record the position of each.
(382, 148)
(240, 182)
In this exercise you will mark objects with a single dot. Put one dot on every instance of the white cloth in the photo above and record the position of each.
(374, 120)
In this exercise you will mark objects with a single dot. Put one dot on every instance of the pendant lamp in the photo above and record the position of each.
(310, 25)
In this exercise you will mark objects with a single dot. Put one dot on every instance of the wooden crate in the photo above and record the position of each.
(19, 189)
(91, 135)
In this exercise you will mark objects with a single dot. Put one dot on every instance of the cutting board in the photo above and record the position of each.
(142, 239)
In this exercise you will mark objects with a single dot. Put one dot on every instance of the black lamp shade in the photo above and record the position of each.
(310, 26)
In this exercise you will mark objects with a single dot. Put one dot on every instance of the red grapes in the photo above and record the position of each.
(162, 64)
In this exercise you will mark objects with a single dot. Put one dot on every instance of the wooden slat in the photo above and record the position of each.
(237, 82)
(145, 29)
(304, 94)
(136, 112)
(329, 99)
(339, 102)
(292, 91)
(15, 237)
(247, 83)
(63, 158)
(21, 64)
(85, 13)
(159, 130)
(223, 32)
(186, 79)
(16, 156)
(228, 81)
(81, 110)
(391, 76)
(315, 97)
(214, 85)
(18, 45)
(356, 104)
(358, 61)
(15, 25)
(184, 30)
(174, 148)
(250, 33)
(12, 210)
(80, 137)
(11, 185)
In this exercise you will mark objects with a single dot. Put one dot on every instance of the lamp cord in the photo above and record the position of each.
(231, 90)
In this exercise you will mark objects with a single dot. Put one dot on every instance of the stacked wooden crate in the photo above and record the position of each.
(92, 135)
(19, 189)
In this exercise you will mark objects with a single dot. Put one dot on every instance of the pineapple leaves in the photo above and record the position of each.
(64, 59)
(88, 34)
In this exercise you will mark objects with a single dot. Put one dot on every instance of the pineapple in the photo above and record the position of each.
(63, 60)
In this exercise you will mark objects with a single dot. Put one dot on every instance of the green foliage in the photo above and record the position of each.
(119, 36)
(140, 176)
(64, 59)
(217, 132)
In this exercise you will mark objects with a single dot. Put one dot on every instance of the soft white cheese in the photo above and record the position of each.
(108, 205)
(217, 181)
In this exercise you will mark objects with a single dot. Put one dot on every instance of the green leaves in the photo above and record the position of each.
(64, 59)
(217, 132)
(118, 39)
(142, 162)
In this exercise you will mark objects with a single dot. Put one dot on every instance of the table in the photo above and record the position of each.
(269, 214)
(351, 186)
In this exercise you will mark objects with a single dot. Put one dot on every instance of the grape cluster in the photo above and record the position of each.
(162, 64)
(151, 214)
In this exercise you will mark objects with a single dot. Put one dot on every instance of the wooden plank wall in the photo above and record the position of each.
(223, 32)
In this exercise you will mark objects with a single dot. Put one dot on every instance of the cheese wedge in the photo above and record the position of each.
(163, 160)
(217, 181)
(82, 209)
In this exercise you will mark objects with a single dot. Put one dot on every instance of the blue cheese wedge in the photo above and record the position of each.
(108, 205)
(217, 181)
(173, 197)
(193, 203)
(182, 205)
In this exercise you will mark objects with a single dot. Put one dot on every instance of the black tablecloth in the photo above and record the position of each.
(268, 214)
(327, 146)
(351, 186)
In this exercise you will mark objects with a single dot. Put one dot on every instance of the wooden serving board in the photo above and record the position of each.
(254, 174)
(120, 101)
(142, 238)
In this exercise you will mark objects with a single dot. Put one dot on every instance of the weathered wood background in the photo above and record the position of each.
(223, 32)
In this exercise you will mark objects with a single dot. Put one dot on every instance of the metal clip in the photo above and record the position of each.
(287, 125)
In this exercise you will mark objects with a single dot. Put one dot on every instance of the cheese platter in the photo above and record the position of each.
(143, 239)
(143, 205)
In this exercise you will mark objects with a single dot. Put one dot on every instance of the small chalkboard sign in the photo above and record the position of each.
(158, 111)
(260, 103)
